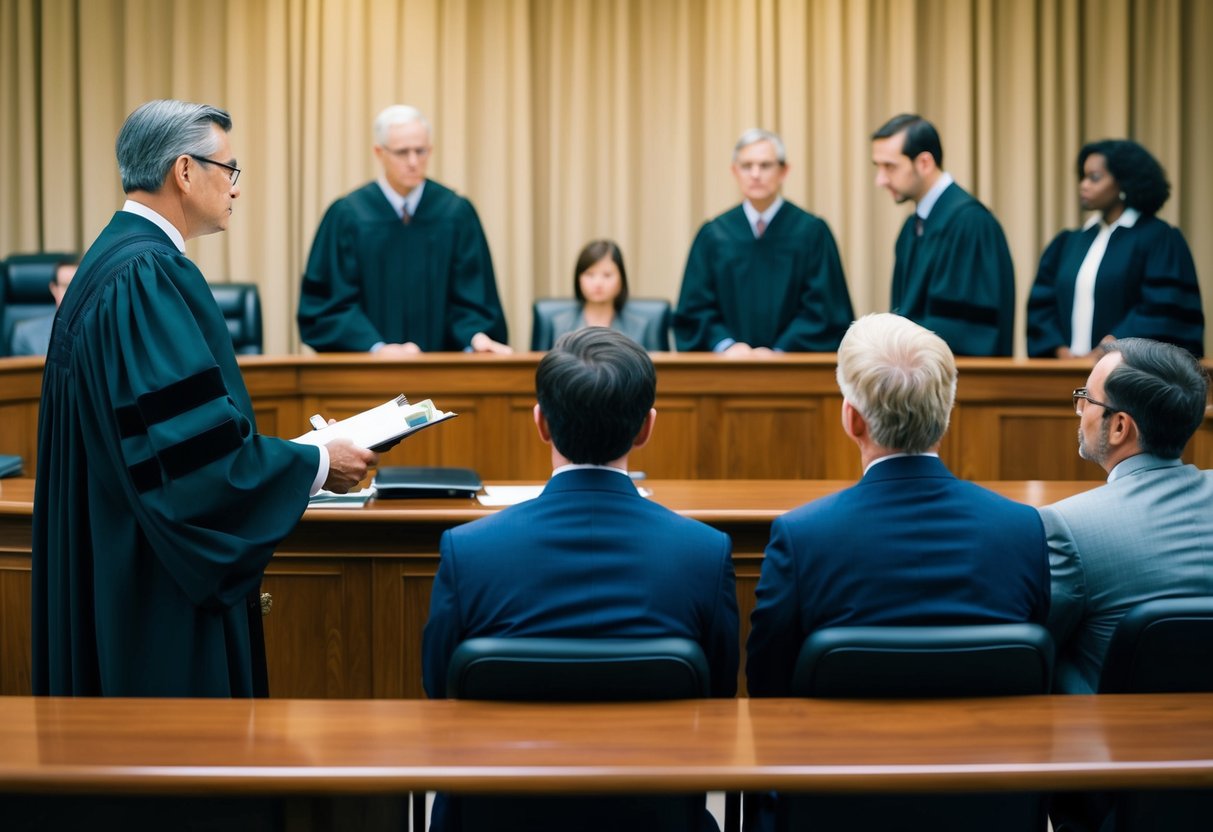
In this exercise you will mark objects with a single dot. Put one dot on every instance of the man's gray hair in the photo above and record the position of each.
(757, 134)
(159, 132)
(901, 378)
(398, 114)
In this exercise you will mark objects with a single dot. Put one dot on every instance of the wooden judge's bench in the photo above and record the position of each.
(736, 444)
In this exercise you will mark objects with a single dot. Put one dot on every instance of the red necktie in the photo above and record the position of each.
(760, 226)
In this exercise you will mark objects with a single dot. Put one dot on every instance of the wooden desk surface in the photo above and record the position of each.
(706, 500)
(390, 746)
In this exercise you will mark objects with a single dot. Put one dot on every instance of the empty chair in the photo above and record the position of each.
(918, 662)
(1161, 646)
(241, 307)
(576, 670)
(645, 320)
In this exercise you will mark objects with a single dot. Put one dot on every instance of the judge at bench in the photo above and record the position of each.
(953, 272)
(401, 265)
(158, 504)
(764, 276)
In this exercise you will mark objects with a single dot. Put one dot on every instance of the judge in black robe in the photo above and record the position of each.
(372, 278)
(157, 503)
(953, 272)
(1145, 281)
(957, 279)
(778, 286)
(401, 262)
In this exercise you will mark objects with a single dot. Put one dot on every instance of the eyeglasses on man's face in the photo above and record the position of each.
(1082, 394)
(406, 152)
(233, 172)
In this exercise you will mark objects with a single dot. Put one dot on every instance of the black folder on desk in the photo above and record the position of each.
(10, 466)
(407, 481)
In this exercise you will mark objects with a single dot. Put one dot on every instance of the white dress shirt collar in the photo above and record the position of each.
(1127, 219)
(928, 202)
(898, 455)
(751, 213)
(572, 466)
(399, 203)
(139, 209)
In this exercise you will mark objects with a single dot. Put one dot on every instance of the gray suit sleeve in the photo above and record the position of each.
(1068, 582)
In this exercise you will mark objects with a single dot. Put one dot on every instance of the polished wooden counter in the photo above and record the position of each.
(284, 747)
(352, 587)
(774, 418)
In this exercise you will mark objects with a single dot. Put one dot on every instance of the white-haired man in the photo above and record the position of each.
(763, 276)
(401, 265)
(909, 544)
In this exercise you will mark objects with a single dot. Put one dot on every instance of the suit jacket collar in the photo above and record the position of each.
(590, 479)
(907, 467)
(1139, 463)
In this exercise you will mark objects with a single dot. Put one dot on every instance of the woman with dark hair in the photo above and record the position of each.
(1125, 273)
(600, 284)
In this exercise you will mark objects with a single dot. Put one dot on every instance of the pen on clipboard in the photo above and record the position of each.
(317, 421)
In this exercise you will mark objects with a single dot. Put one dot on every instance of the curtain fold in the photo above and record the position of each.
(568, 120)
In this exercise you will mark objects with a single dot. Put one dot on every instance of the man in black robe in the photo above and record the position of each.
(953, 272)
(401, 265)
(764, 276)
(158, 504)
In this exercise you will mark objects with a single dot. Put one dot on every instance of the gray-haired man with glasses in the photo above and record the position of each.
(158, 504)
(1148, 533)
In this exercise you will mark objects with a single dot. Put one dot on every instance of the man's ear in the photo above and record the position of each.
(646, 430)
(853, 423)
(182, 174)
(541, 424)
(1123, 430)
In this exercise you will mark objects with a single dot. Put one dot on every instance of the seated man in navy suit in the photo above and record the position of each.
(589, 557)
(909, 544)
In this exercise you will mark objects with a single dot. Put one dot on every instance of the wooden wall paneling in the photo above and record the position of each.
(15, 617)
(528, 457)
(401, 602)
(771, 438)
(318, 635)
(677, 435)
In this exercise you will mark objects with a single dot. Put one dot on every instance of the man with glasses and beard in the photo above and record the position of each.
(1148, 533)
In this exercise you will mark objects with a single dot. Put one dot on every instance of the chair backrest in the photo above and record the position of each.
(578, 670)
(25, 290)
(908, 662)
(1161, 646)
(575, 670)
(545, 310)
(241, 307)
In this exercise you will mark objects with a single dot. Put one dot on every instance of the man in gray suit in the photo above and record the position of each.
(1148, 533)
(33, 335)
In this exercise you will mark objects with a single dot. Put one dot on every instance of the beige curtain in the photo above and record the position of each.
(565, 120)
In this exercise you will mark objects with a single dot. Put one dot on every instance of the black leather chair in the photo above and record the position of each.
(918, 662)
(545, 310)
(1161, 646)
(577, 670)
(24, 290)
(241, 307)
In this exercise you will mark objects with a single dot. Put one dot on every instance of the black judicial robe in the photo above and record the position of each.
(372, 277)
(1145, 287)
(785, 290)
(957, 279)
(157, 504)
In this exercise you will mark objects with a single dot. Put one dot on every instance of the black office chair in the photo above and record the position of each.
(577, 670)
(545, 311)
(24, 290)
(1162, 646)
(241, 307)
(918, 662)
